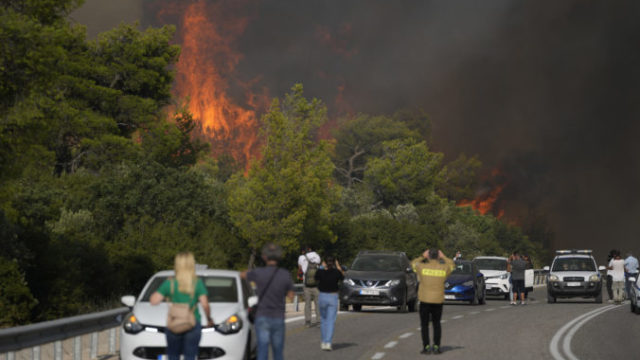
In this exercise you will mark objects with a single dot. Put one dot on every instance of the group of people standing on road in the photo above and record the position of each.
(618, 273)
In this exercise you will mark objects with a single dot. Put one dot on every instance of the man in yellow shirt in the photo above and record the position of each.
(432, 268)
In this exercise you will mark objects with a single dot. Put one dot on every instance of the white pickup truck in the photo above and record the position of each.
(496, 277)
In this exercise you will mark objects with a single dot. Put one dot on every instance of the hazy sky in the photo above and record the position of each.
(547, 91)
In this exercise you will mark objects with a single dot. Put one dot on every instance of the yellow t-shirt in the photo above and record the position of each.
(432, 275)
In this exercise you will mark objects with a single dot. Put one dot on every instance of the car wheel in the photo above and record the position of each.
(599, 298)
(413, 305)
(551, 299)
(474, 300)
(403, 305)
(506, 297)
(357, 307)
(344, 307)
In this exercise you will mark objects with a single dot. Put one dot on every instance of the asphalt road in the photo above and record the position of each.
(569, 329)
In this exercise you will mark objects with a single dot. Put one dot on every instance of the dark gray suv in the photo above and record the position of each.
(383, 278)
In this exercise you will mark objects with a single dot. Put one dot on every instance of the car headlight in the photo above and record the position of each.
(468, 283)
(232, 325)
(392, 283)
(594, 278)
(504, 276)
(131, 325)
(553, 278)
(348, 282)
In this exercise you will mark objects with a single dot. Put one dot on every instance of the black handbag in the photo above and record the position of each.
(254, 309)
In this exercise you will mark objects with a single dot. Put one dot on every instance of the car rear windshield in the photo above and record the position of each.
(574, 264)
(377, 263)
(462, 268)
(220, 288)
(491, 264)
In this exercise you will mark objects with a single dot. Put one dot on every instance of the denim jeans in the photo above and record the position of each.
(186, 343)
(328, 303)
(270, 331)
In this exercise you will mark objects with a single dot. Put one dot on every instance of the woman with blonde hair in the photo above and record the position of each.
(185, 288)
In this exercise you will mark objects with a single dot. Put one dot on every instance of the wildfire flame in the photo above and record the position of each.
(484, 202)
(207, 62)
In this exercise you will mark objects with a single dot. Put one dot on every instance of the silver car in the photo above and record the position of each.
(574, 273)
(230, 296)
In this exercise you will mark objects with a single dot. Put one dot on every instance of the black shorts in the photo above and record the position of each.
(518, 286)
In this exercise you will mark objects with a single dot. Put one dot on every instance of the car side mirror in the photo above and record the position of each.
(602, 268)
(480, 274)
(252, 300)
(632, 279)
(344, 268)
(546, 268)
(128, 300)
(408, 270)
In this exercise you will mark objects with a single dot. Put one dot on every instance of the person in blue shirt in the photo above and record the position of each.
(630, 270)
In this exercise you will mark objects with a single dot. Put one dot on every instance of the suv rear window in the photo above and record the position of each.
(220, 288)
(574, 264)
(377, 263)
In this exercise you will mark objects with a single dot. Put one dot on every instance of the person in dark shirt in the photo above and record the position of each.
(272, 284)
(329, 278)
(518, 266)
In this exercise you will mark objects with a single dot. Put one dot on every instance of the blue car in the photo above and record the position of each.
(466, 283)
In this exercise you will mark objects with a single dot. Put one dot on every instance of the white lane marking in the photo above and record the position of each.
(490, 309)
(554, 344)
(292, 319)
(406, 335)
(566, 344)
(443, 321)
(378, 355)
(390, 344)
(474, 313)
(457, 317)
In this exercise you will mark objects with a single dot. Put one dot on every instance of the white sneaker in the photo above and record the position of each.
(329, 348)
(323, 346)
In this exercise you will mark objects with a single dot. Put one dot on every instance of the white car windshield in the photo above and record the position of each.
(574, 264)
(491, 264)
(220, 288)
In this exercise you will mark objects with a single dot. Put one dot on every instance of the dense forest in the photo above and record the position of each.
(102, 179)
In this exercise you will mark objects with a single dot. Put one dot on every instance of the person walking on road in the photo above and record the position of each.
(630, 270)
(185, 288)
(610, 257)
(518, 267)
(432, 268)
(273, 284)
(308, 262)
(329, 278)
(617, 275)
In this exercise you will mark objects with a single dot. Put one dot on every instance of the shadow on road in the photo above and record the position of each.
(338, 346)
(448, 348)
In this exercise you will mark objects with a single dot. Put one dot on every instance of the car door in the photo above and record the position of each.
(411, 279)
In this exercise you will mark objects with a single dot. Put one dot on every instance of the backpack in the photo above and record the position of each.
(310, 275)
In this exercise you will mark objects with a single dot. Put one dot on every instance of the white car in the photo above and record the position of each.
(635, 295)
(496, 278)
(233, 337)
(574, 273)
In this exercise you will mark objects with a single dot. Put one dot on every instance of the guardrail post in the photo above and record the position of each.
(112, 340)
(77, 348)
(94, 345)
(57, 350)
(35, 353)
(295, 302)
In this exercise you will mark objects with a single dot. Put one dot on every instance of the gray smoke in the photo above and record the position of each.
(546, 91)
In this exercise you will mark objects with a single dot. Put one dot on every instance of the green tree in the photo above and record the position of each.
(407, 172)
(288, 194)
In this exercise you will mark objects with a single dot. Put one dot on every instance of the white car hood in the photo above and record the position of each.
(156, 315)
(492, 273)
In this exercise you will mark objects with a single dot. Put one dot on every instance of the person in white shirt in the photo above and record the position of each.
(311, 292)
(617, 276)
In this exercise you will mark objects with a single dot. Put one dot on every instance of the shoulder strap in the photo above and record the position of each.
(266, 287)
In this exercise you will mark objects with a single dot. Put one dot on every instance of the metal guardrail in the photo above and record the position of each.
(35, 335)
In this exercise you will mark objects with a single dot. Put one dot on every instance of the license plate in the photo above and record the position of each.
(488, 286)
(573, 283)
(450, 297)
(369, 292)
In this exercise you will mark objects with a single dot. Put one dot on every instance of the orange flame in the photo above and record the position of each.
(207, 62)
(484, 203)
